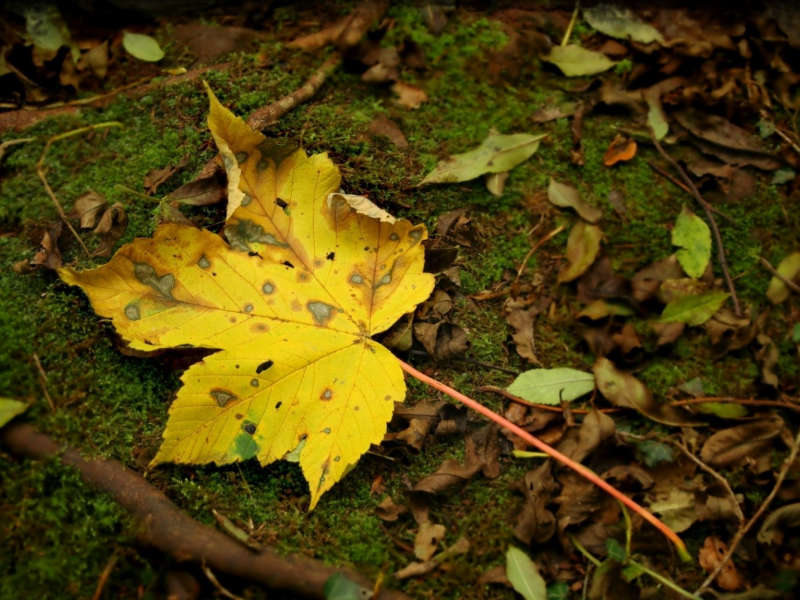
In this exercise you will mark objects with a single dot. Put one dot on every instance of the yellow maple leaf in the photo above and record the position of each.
(291, 301)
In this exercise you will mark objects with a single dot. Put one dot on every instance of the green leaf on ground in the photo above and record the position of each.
(524, 575)
(725, 410)
(621, 23)
(677, 510)
(583, 245)
(496, 154)
(339, 587)
(575, 61)
(784, 175)
(566, 196)
(693, 310)
(789, 268)
(693, 236)
(10, 409)
(550, 386)
(558, 591)
(653, 452)
(142, 47)
(615, 550)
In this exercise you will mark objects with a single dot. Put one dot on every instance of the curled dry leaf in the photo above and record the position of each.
(773, 529)
(442, 340)
(767, 358)
(732, 445)
(362, 205)
(583, 246)
(156, 177)
(48, 254)
(389, 511)
(565, 196)
(595, 429)
(521, 319)
(535, 523)
(111, 228)
(201, 192)
(421, 568)
(646, 283)
(88, 208)
(622, 149)
(422, 418)
(711, 554)
(624, 390)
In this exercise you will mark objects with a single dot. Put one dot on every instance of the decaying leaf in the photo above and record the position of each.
(621, 23)
(789, 268)
(623, 389)
(496, 154)
(772, 531)
(428, 539)
(524, 575)
(711, 554)
(767, 358)
(322, 278)
(363, 206)
(48, 254)
(566, 196)
(111, 228)
(575, 61)
(694, 310)
(675, 289)
(156, 177)
(731, 445)
(551, 386)
(9, 409)
(521, 320)
(677, 509)
(595, 429)
(389, 511)
(442, 340)
(409, 96)
(583, 246)
(422, 417)
(693, 237)
(416, 569)
(622, 149)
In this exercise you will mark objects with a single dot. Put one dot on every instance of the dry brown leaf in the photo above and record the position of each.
(730, 446)
(767, 358)
(521, 321)
(388, 511)
(595, 429)
(202, 192)
(534, 523)
(88, 208)
(409, 96)
(384, 126)
(711, 554)
(427, 540)
(111, 228)
(422, 418)
(48, 254)
(442, 340)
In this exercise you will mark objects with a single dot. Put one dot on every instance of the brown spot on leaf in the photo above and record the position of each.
(222, 397)
(326, 395)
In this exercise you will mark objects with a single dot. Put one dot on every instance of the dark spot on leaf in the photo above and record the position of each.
(247, 200)
(288, 264)
(356, 278)
(239, 416)
(248, 308)
(264, 366)
(254, 382)
(255, 254)
(281, 203)
(241, 157)
(222, 396)
(337, 459)
(268, 288)
(388, 398)
(148, 276)
(246, 232)
(320, 310)
(132, 312)
(415, 234)
(278, 405)
(331, 255)
(250, 428)
(327, 430)
(356, 408)
(262, 164)
(203, 263)
(326, 395)
(394, 237)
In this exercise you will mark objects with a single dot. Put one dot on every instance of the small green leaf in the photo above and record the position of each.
(725, 410)
(566, 196)
(550, 386)
(575, 61)
(621, 23)
(583, 245)
(10, 409)
(693, 310)
(784, 175)
(616, 551)
(600, 309)
(789, 268)
(796, 333)
(524, 575)
(339, 587)
(657, 118)
(528, 454)
(496, 154)
(631, 571)
(142, 46)
(693, 236)
(558, 591)
(655, 452)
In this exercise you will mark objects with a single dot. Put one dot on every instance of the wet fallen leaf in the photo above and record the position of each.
(694, 310)
(551, 386)
(524, 575)
(566, 196)
(623, 389)
(731, 445)
(789, 268)
(677, 510)
(496, 154)
(621, 23)
(693, 237)
(710, 555)
(152, 288)
(388, 511)
(409, 96)
(583, 246)
(142, 46)
(575, 61)
(9, 409)
(427, 540)
(621, 149)
(773, 529)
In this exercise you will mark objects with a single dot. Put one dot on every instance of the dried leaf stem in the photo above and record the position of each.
(40, 172)
(723, 263)
(747, 526)
(538, 245)
(540, 445)
(571, 25)
(787, 282)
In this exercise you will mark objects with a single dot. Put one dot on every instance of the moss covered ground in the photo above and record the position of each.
(58, 534)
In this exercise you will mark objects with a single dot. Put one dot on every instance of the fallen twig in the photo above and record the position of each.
(538, 245)
(787, 282)
(101, 583)
(164, 526)
(723, 263)
(565, 460)
(747, 526)
(43, 381)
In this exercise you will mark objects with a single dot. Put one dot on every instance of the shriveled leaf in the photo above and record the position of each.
(496, 154)
(772, 531)
(389, 511)
(49, 254)
(524, 575)
(710, 555)
(595, 429)
(442, 340)
(675, 289)
(88, 208)
(624, 390)
(694, 310)
(677, 510)
(693, 236)
(340, 587)
(142, 47)
(535, 523)
(566, 196)
(416, 569)
(112, 226)
(583, 245)
(363, 206)
(621, 23)
(9, 409)
(409, 96)
(789, 268)
(550, 386)
(622, 149)
(321, 278)
(575, 61)
(730, 445)
(767, 358)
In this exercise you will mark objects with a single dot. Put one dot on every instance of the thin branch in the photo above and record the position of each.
(43, 381)
(538, 245)
(40, 172)
(743, 530)
(682, 186)
(565, 460)
(472, 361)
(723, 263)
(721, 400)
(101, 583)
(215, 582)
(734, 503)
(548, 407)
(571, 25)
(787, 282)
